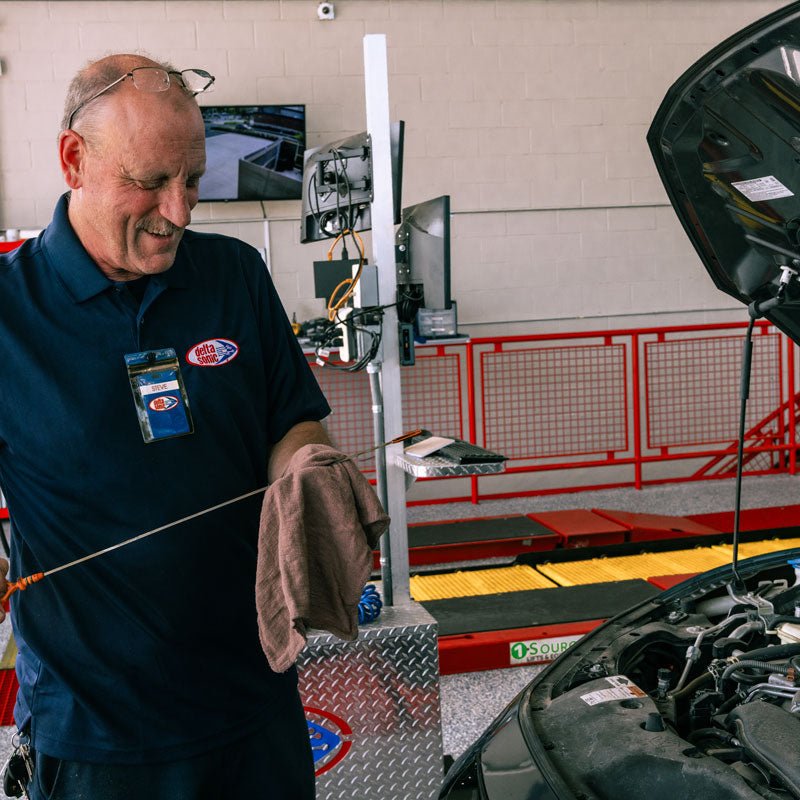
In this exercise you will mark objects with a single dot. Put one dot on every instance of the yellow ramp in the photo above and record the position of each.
(645, 565)
(520, 577)
(484, 581)
(748, 549)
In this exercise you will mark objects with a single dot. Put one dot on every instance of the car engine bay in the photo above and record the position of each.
(698, 696)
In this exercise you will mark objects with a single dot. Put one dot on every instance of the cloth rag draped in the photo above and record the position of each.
(320, 523)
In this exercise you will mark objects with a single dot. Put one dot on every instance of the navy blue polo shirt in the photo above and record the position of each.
(150, 652)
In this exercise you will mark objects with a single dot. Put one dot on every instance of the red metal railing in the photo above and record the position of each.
(659, 404)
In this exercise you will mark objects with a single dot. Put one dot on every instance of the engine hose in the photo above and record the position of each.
(370, 604)
(710, 733)
(780, 669)
(690, 687)
(730, 703)
(773, 653)
(783, 618)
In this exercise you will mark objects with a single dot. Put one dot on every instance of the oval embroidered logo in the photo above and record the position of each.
(164, 403)
(212, 353)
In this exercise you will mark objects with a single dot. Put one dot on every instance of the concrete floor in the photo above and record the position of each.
(471, 701)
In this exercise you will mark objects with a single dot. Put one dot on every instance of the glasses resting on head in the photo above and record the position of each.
(156, 79)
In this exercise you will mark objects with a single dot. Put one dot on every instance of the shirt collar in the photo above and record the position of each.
(78, 271)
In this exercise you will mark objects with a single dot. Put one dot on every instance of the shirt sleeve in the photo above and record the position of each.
(293, 394)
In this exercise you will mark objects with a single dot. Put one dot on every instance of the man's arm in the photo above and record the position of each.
(282, 451)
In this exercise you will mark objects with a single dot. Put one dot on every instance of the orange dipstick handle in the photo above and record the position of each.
(22, 584)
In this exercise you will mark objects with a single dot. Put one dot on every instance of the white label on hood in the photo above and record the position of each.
(766, 188)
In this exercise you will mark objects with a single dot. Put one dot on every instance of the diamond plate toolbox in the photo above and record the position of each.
(372, 708)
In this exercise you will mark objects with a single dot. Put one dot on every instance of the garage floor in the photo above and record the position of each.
(470, 701)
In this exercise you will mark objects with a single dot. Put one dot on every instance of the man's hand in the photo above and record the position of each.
(301, 434)
(3, 584)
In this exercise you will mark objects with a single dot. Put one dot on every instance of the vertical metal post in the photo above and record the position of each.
(637, 413)
(376, 77)
(379, 433)
(472, 415)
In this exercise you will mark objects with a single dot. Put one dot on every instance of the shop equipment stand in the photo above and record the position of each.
(372, 708)
(373, 705)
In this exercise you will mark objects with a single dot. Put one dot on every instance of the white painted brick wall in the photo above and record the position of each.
(531, 114)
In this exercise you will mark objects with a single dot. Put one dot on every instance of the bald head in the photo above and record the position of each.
(132, 158)
(80, 109)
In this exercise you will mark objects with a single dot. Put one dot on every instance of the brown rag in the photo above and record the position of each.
(319, 525)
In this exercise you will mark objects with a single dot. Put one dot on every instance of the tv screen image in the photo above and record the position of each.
(253, 152)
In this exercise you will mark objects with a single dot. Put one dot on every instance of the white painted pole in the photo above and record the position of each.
(378, 126)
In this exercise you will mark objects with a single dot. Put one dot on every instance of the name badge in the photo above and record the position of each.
(162, 405)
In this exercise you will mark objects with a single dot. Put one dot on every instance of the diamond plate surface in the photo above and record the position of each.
(379, 697)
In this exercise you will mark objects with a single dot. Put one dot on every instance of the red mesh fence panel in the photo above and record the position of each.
(692, 389)
(431, 399)
(432, 395)
(555, 401)
(350, 423)
(568, 399)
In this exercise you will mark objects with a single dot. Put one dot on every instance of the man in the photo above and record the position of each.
(140, 671)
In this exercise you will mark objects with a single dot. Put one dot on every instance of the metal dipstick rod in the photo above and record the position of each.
(23, 583)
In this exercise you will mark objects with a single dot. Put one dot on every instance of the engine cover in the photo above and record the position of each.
(772, 737)
(602, 734)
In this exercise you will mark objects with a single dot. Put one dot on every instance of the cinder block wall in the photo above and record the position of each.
(531, 114)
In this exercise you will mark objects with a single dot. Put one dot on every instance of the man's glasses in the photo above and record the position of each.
(156, 79)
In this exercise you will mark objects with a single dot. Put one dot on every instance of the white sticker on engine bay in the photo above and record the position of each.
(621, 689)
(766, 188)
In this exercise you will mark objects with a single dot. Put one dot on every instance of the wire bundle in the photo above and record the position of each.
(348, 285)
(368, 321)
(370, 605)
(346, 213)
(330, 338)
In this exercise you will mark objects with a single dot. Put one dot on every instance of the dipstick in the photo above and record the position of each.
(23, 583)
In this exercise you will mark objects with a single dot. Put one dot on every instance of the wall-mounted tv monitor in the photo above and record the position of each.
(423, 257)
(253, 152)
(338, 187)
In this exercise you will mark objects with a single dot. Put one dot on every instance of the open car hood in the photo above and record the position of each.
(726, 142)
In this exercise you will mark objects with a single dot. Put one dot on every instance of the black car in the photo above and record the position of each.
(695, 693)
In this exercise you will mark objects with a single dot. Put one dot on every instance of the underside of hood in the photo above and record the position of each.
(726, 142)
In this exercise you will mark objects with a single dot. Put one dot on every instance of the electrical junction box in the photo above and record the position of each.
(437, 322)
(406, 336)
(365, 294)
(330, 274)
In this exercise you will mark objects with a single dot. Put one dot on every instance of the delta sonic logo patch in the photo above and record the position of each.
(164, 403)
(330, 736)
(212, 353)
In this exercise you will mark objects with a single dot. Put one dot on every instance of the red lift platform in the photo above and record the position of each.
(581, 528)
(649, 527)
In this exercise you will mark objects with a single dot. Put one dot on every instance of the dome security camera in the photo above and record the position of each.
(326, 11)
